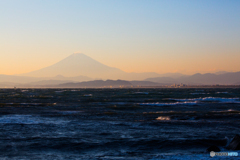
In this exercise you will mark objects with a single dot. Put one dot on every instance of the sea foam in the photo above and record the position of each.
(168, 104)
(218, 99)
(28, 119)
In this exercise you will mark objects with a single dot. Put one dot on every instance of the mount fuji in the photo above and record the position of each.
(81, 65)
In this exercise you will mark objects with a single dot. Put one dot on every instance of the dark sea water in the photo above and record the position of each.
(117, 123)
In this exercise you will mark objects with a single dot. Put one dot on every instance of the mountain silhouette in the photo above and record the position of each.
(76, 65)
(97, 83)
(79, 67)
(82, 65)
(227, 78)
(107, 84)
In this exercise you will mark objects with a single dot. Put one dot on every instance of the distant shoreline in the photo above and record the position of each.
(133, 87)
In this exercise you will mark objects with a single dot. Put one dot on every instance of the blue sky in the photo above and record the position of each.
(133, 35)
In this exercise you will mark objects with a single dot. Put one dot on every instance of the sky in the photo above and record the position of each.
(159, 36)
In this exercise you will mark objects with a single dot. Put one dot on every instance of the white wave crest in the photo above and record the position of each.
(218, 99)
(29, 119)
(168, 104)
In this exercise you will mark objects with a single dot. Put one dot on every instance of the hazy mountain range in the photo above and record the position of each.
(80, 64)
(227, 78)
(108, 83)
(85, 84)
(81, 68)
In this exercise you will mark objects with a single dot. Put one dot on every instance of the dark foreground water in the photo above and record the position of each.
(116, 123)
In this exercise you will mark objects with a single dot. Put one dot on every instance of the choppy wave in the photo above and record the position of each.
(222, 92)
(69, 112)
(191, 112)
(168, 104)
(172, 112)
(30, 104)
(199, 93)
(218, 99)
(116, 124)
(141, 93)
(24, 90)
(194, 101)
(60, 91)
(28, 119)
(181, 156)
(229, 110)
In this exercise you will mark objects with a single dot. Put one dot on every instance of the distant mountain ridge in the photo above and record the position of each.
(196, 79)
(25, 79)
(86, 84)
(75, 65)
(79, 68)
(97, 83)
(80, 64)
(228, 78)
(109, 83)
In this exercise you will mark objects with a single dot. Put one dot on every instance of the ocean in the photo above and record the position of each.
(169, 123)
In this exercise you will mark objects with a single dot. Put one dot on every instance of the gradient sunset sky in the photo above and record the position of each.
(185, 36)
